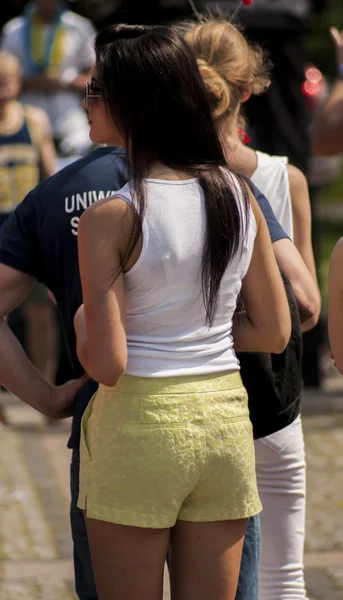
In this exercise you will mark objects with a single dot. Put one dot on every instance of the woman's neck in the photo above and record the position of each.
(46, 17)
(239, 156)
(161, 171)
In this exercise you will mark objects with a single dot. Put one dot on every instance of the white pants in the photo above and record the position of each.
(280, 467)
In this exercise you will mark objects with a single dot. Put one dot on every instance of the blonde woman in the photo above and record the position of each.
(232, 70)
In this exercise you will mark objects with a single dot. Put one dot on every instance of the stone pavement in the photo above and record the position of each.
(35, 548)
(323, 429)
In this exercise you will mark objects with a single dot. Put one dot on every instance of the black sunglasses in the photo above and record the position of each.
(89, 93)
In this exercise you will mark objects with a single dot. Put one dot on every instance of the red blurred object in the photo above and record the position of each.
(244, 136)
(247, 2)
(314, 86)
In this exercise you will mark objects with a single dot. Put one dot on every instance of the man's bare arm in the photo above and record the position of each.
(304, 287)
(17, 373)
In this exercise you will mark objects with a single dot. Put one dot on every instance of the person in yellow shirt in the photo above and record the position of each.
(55, 48)
(27, 155)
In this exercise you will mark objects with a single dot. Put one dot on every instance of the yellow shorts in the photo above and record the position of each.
(157, 450)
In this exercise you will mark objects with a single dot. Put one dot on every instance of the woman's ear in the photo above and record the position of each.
(246, 95)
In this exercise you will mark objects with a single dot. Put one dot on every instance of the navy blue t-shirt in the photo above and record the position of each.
(40, 239)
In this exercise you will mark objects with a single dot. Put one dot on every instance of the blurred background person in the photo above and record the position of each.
(27, 154)
(26, 148)
(54, 47)
(327, 139)
(134, 11)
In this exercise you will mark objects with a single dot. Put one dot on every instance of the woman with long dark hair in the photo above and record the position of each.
(167, 450)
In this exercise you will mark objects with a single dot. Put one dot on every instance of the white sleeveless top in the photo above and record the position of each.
(166, 326)
(271, 178)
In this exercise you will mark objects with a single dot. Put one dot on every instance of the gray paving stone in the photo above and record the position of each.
(321, 586)
(35, 550)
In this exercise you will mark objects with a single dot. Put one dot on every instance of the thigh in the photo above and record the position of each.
(281, 479)
(128, 561)
(248, 575)
(83, 571)
(205, 559)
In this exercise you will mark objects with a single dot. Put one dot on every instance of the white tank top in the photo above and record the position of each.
(271, 178)
(166, 326)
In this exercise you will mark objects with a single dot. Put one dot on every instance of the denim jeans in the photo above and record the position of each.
(84, 579)
(248, 577)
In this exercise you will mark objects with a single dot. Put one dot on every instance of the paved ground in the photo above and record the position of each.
(35, 550)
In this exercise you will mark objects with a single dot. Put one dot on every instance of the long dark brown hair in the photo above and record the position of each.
(155, 94)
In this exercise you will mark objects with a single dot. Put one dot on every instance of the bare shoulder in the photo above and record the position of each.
(110, 215)
(297, 179)
(38, 119)
(36, 114)
(113, 206)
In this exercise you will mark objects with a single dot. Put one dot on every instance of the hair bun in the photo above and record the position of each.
(217, 88)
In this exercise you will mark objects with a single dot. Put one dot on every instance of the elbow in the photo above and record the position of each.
(276, 339)
(105, 371)
(107, 377)
(281, 334)
(308, 314)
(309, 306)
(310, 322)
(280, 341)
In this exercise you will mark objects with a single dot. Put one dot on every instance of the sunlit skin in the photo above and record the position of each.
(9, 86)
(102, 128)
(10, 113)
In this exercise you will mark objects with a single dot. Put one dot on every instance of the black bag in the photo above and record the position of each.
(274, 381)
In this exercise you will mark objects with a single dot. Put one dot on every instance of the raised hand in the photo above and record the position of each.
(337, 37)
